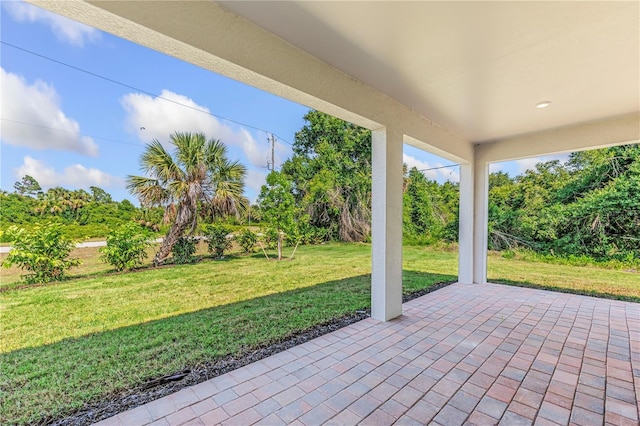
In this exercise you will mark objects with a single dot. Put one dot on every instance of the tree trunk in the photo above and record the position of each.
(279, 245)
(183, 219)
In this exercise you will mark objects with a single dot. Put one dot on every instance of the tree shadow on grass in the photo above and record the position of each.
(98, 375)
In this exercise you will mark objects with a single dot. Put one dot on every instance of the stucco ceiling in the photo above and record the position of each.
(476, 68)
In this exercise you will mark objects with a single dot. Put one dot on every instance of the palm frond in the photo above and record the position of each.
(197, 179)
(190, 151)
(159, 163)
(148, 190)
(215, 153)
(229, 171)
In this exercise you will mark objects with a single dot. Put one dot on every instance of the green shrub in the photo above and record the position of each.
(126, 246)
(508, 254)
(183, 250)
(270, 238)
(313, 234)
(42, 250)
(218, 239)
(247, 240)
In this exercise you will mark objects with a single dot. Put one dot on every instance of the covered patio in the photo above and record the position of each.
(463, 80)
(468, 81)
(483, 354)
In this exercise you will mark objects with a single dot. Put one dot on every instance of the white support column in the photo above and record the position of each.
(480, 223)
(466, 225)
(386, 225)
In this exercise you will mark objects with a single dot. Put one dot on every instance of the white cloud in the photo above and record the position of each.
(412, 162)
(527, 164)
(256, 154)
(75, 176)
(33, 118)
(431, 171)
(530, 163)
(157, 118)
(518, 167)
(498, 167)
(254, 180)
(64, 28)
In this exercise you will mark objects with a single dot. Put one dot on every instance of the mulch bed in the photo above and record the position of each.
(154, 389)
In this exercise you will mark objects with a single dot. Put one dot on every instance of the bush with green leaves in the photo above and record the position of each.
(270, 238)
(126, 246)
(42, 250)
(306, 233)
(247, 239)
(184, 249)
(218, 239)
(279, 206)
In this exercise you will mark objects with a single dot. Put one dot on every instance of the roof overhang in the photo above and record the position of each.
(450, 75)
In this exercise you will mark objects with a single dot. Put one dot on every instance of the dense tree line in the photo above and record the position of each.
(83, 214)
(430, 209)
(330, 177)
(588, 206)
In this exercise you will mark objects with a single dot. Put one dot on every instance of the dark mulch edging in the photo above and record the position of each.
(163, 386)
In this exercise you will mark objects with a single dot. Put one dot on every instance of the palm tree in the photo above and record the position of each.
(198, 180)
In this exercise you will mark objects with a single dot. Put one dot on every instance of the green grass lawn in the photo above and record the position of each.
(67, 344)
(71, 343)
(587, 280)
(91, 266)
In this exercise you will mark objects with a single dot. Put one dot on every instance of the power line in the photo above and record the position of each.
(140, 90)
(436, 168)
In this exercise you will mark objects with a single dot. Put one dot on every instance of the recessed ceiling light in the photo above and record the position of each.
(543, 104)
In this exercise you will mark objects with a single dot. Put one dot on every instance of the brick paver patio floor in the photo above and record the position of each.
(465, 354)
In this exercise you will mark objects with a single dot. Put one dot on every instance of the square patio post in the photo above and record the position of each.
(466, 224)
(386, 224)
(480, 220)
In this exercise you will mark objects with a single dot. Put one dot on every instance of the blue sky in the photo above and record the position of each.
(66, 127)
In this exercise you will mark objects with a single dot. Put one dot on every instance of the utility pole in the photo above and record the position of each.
(272, 139)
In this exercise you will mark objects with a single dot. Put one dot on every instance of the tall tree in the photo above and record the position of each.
(99, 195)
(429, 209)
(197, 180)
(504, 216)
(279, 207)
(28, 186)
(331, 172)
(418, 202)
